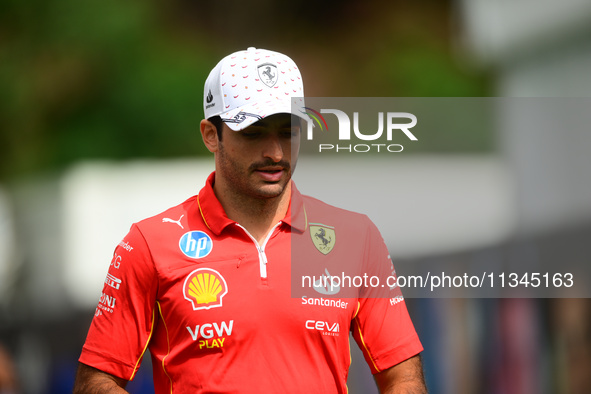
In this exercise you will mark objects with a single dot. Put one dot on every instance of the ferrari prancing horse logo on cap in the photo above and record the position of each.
(268, 74)
(323, 237)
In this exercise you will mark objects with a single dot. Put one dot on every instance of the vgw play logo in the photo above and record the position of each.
(394, 125)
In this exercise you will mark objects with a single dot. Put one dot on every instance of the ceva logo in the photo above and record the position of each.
(324, 327)
(392, 122)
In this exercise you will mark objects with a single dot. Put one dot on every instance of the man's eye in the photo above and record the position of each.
(293, 132)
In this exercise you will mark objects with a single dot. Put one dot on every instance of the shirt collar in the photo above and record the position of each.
(296, 216)
(216, 220)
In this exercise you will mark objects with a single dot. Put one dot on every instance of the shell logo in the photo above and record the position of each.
(205, 288)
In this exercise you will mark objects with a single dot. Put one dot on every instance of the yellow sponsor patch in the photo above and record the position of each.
(323, 237)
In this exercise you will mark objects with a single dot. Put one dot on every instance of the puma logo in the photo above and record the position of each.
(167, 220)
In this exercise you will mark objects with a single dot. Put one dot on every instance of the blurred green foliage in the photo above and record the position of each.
(94, 79)
(112, 79)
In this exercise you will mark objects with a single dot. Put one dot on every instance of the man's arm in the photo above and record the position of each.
(90, 380)
(404, 378)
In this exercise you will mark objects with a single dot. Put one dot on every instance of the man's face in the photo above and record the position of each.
(259, 160)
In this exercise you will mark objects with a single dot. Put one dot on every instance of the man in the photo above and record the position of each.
(205, 286)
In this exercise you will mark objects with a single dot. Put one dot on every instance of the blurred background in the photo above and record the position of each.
(100, 103)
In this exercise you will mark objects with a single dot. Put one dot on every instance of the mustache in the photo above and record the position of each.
(270, 163)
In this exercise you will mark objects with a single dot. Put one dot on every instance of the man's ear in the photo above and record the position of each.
(210, 135)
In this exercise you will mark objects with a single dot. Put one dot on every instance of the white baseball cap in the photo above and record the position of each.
(247, 86)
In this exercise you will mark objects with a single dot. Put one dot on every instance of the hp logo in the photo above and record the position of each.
(195, 244)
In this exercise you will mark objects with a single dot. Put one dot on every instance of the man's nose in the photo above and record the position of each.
(273, 148)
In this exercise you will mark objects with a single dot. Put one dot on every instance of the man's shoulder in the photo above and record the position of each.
(319, 210)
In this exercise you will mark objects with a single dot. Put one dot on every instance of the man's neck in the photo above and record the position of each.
(257, 215)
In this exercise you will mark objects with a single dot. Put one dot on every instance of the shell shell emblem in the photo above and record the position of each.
(204, 288)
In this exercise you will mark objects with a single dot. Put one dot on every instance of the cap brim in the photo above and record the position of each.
(242, 117)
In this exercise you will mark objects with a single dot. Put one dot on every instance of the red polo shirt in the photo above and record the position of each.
(216, 309)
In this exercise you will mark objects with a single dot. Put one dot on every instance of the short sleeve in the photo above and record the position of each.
(382, 326)
(125, 316)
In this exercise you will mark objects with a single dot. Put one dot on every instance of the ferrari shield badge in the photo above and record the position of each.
(323, 237)
(268, 74)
